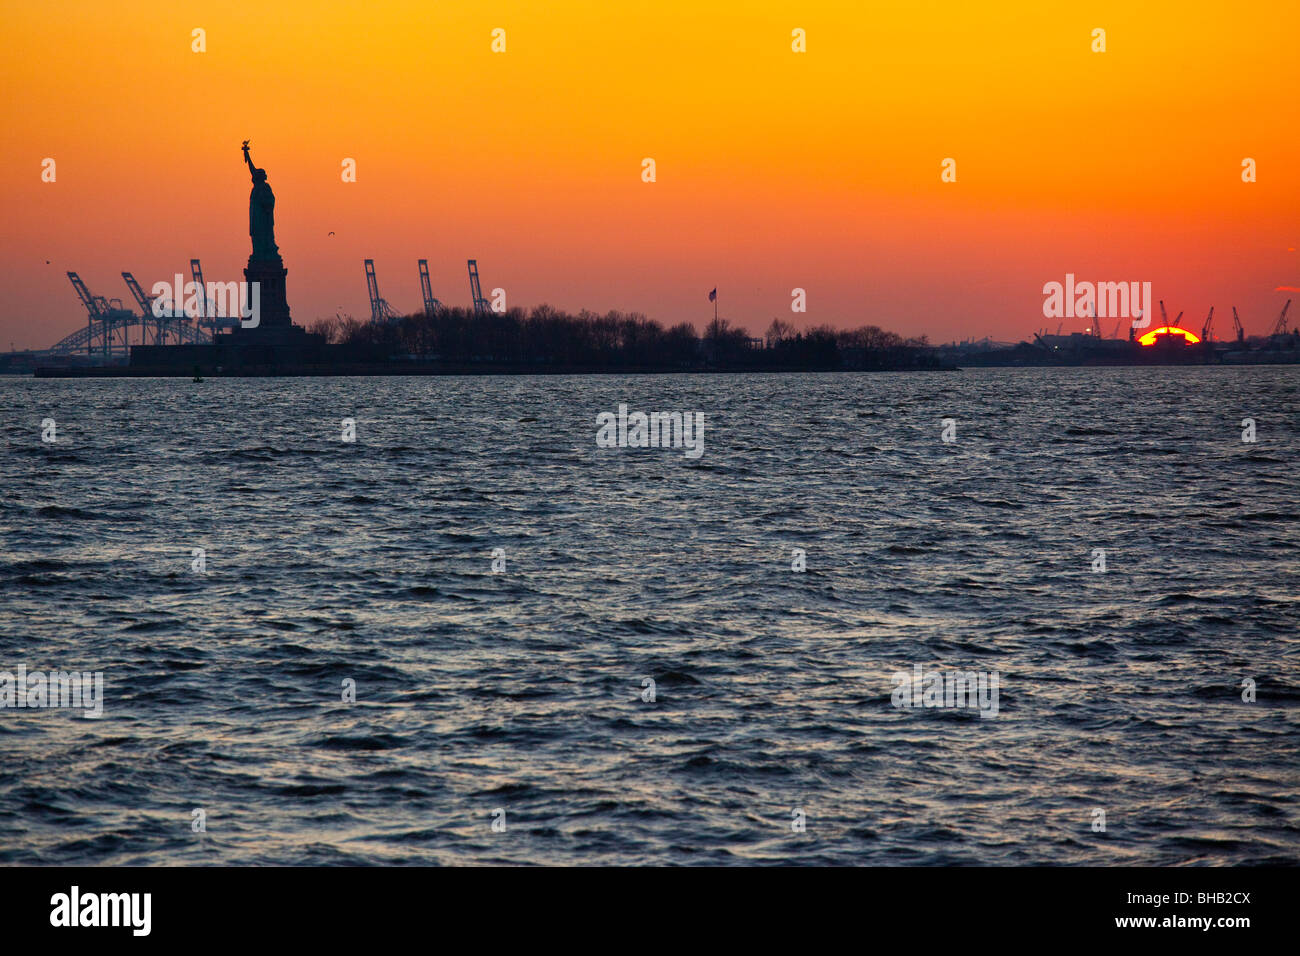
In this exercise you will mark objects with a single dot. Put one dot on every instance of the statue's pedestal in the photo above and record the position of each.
(270, 275)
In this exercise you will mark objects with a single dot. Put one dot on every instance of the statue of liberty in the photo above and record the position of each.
(261, 213)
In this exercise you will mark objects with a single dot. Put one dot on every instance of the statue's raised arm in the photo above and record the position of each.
(248, 159)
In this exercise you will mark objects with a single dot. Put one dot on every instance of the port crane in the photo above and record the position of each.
(1208, 326)
(145, 302)
(207, 319)
(196, 270)
(177, 324)
(380, 310)
(1164, 317)
(105, 320)
(1280, 328)
(431, 305)
(1241, 332)
(1132, 330)
(475, 291)
(108, 325)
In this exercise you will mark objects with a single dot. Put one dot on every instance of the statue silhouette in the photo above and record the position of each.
(261, 213)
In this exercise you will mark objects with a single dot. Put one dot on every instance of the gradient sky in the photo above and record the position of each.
(775, 169)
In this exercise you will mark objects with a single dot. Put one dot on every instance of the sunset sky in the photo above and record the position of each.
(775, 169)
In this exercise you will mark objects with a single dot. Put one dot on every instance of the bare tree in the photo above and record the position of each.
(778, 330)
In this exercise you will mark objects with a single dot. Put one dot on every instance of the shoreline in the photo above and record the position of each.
(414, 369)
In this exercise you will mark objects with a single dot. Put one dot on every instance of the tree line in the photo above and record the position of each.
(546, 336)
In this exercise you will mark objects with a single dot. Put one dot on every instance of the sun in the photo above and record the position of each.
(1150, 338)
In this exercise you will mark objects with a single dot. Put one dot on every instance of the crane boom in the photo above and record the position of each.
(146, 310)
(1209, 324)
(475, 290)
(1280, 328)
(380, 311)
(1241, 332)
(372, 288)
(431, 305)
(88, 300)
(196, 270)
(137, 293)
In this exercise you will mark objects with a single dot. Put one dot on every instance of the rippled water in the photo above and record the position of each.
(522, 691)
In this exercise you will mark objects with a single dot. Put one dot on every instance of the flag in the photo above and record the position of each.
(713, 295)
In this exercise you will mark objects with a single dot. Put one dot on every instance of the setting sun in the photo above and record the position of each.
(1150, 338)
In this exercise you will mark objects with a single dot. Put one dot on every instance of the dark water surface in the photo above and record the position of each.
(372, 562)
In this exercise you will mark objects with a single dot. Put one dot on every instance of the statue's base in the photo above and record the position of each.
(270, 274)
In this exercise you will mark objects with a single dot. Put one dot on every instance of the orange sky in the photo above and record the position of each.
(775, 170)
